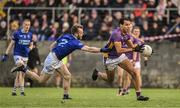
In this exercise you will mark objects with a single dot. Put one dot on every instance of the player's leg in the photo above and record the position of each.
(22, 62)
(43, 78)
(63, 70)
(35, 70)
(19, 61)
(57, 79)
(101, 75)
(106, 76)
(110, 68)
(119, 79)
(128, 66)
(110, 76)
(22, 76)
(126, 82)
(16, 84)
(138, 70)
(21, 80)
(50, 64)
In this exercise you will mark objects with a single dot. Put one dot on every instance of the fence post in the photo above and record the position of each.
(8, 22)
(110, 11)
(79, 15)
(53, 15)
(168, 16)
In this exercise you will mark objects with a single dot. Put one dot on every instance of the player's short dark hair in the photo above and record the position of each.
(75, 27)
(124, 19)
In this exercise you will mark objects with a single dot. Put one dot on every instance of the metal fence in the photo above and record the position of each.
(79, 10)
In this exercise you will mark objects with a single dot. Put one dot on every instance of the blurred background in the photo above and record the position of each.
(158, 20)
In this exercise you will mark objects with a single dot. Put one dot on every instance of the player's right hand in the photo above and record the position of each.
(4, 57)
(139, 48)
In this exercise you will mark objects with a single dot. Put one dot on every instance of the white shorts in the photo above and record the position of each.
(137, 65)
(112, 64)
(51, 63)
(20, 59)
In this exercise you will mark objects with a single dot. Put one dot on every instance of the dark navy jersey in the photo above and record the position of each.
(66, 44)
(22, 42)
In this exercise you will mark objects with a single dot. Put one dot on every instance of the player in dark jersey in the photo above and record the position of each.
(22, 42)
(116, 57)
(33, 62)
(62, 47)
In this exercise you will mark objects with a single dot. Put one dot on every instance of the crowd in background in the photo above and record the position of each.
(98, 24)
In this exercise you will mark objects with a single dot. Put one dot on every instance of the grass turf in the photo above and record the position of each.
(89, 97)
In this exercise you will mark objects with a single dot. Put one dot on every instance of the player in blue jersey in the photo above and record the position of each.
(22, 42)
(116, 57)
(62, 47)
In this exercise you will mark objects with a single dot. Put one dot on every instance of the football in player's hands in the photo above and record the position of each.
(147, 51)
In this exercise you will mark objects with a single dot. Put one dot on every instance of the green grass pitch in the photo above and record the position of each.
(89, 98)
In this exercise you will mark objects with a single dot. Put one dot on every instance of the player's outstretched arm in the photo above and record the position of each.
(130, 44)
(94, 49)
(121, 50)
(90, 49)
(5, 56)
(9, 47)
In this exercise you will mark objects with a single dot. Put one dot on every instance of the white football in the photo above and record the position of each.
(147, 51)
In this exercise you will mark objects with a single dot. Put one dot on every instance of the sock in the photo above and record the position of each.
(66, 96)
(119, 89)
(124, 90)
(138, 93)
(128, 89)
(21, 89)
(14, 89)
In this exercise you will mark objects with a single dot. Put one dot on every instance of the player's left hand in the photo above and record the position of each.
(139, 48)
(105, 50)
(4, 58)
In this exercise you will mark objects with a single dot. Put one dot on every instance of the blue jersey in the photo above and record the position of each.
(22, 42)
(66, 44)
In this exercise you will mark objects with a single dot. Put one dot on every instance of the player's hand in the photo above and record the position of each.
(4, 58)
(139, 48)
(105, 50)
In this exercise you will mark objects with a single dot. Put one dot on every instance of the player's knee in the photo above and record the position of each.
(67, 76)
(133, 72)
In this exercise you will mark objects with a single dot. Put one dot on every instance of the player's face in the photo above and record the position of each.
(127, 26)
(26, 26)
(136, 32)
(80, 33)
